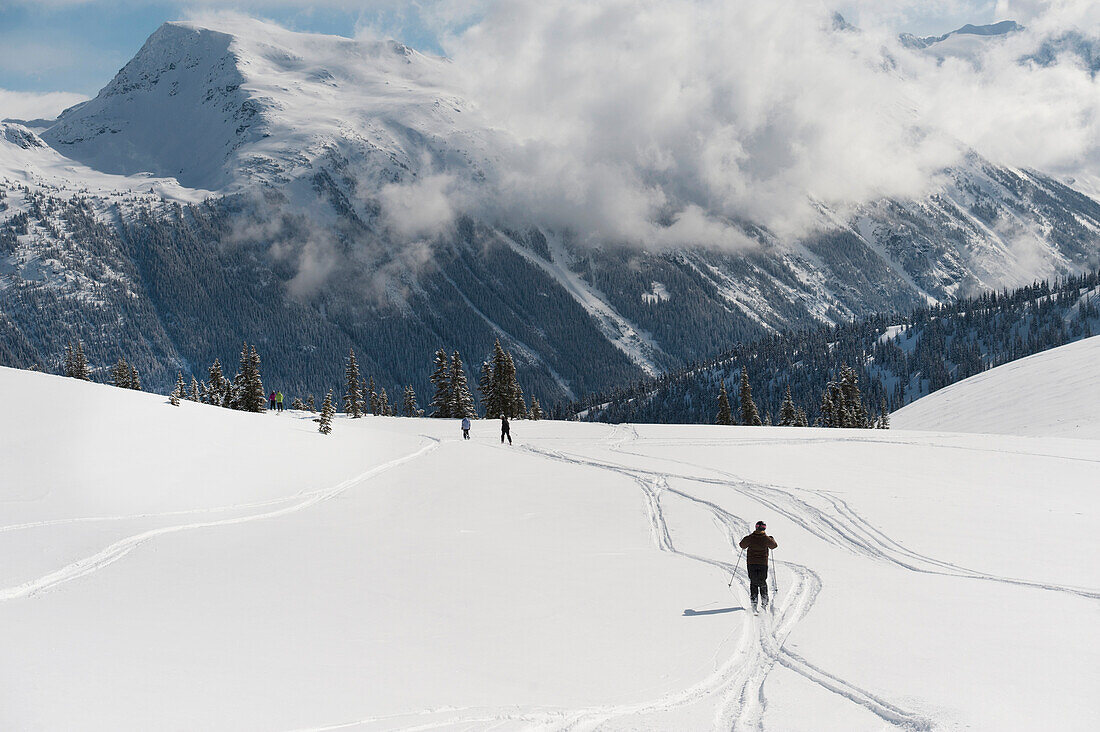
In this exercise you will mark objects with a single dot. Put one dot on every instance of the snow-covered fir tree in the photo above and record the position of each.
(193, 393)
(725, 414)
(179, 391)
(461, 401)
(485, 387)
(353, 397)
(298, 404)
(310, 403)
(409, 407)
(883, 415)
(749, 415)
(371, 397)
(535, 413)
(328, 411)
(217, 387)
(440, 405)
(135, 380)
(788, 415)
(76, 365)
(120, 374)
(248, 387)
(383, 403)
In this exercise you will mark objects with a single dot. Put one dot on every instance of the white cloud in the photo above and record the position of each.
(36, 105)
(666, 122)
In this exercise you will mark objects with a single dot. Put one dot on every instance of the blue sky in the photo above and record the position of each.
(78, 45)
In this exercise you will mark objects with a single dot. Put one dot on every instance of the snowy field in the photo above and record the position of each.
(195, 568)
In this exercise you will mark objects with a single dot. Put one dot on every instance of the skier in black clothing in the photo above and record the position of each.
(758, 545)
(505, 430)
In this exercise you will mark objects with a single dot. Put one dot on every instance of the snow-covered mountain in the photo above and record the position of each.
(197, 567)
(304, 145)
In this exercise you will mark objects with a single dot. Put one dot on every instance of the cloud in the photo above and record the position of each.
(673, 122)
(36, 105)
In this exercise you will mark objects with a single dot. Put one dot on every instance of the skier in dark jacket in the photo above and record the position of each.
(465, 428)
(505, 430)
(758, 545)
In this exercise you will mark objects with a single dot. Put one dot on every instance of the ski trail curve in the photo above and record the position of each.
(122, 547)
(743, 675)
(844, 527)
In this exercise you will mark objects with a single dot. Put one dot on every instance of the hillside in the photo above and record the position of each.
(898, 358)
(1054, 393)
(192, 566)
(239, 181)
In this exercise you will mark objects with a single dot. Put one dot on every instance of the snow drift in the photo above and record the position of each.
(1055, 393)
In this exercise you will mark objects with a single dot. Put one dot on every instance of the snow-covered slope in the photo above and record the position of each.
(1053, 393)
(193, 567)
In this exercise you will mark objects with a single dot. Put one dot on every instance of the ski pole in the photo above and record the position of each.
(735, 568)
(775, 581)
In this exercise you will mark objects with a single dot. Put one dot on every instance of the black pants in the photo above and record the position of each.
(465, 434)
(758, 583)
(506, 434)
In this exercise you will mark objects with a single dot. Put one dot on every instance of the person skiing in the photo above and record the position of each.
(758, 544)
(279, 400)
(272, 400)
(465, 428)
(505, 430)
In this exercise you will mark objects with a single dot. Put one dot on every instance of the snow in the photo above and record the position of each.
(1054, 394)
(192, 567)
(26, 160)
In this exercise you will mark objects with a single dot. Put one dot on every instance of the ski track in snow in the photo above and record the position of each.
(121, 548)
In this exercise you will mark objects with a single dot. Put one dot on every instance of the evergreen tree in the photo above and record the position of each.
(179, 392)
(248, 387)
(353, 397)
(854, 412)
(441, 380)
(749, 415)
(217, 391)
(788, 415)
(462, 401)
(512, 394)
(409, 407)
(827, 418)
(725, 414)
(803, 420)
(193, 394)
(76, 365)
(135, 380)
(536, 409)
(500, 397)
(884, 416)
(120, 374)
(384, 403)
(485, 388)
(372, 398)
(328, 411)
(309, 403)
(298, 404)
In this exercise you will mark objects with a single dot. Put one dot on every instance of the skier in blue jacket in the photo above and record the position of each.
(465, 428)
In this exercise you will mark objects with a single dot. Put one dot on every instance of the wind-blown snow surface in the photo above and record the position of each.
(1055, 393)
(193, 568)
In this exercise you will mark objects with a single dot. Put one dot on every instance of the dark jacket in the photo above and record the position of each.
(758, 543)
(504, 426)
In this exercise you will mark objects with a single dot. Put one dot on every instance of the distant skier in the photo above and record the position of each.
(272, 400)
(465, 428)
(758, 545)
(505, 430)
(279, 401)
